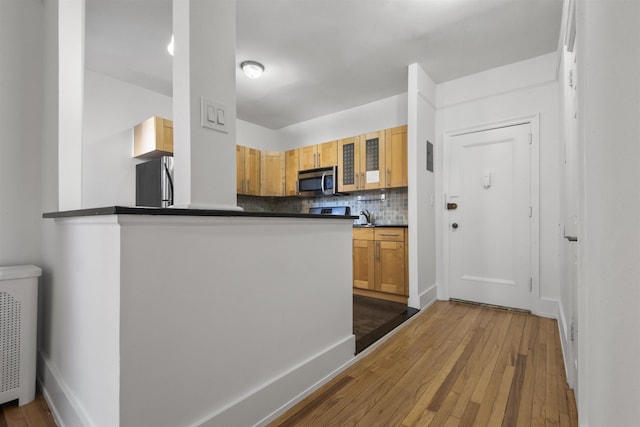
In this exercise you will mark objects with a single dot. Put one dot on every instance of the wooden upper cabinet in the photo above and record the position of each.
(272, 170)
(396, 157)
(318, 156)
(327, 154)
(153, 138)
(308, 157)
(240, 184)
(291, 174)
(361, 162)
(248, 170)
(349, 164)
(372, 160)
(252, 171)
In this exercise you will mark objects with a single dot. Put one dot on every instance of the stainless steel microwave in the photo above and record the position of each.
(318, 182)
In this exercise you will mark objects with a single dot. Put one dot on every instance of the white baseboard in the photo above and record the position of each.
(565, 337)
(546, 307)
(256, 408)
(64, 406)
(428, 297)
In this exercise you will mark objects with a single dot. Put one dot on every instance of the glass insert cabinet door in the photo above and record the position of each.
(361, 162)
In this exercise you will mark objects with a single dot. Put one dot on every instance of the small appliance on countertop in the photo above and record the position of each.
(328, 210)
(154, 183)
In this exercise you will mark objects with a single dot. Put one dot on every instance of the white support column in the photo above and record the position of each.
(70, 102)
(204, 65)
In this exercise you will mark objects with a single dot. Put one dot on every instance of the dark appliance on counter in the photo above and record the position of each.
(338, 211)
(319, 182)
(154, 183)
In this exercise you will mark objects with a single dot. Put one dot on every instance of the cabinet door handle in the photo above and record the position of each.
(297, 187)
(248, 186)
(319, 161)
(387, 183)
(363, 183)
(377, 251)
(244, 186)
(314, 160)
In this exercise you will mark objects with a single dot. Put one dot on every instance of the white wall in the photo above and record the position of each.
(421, 191)
(112, 109)
(70, 98)
(169, 321)
(609, 293)
(382, 114)
(514, 91)
(255, 136)
(21, 86)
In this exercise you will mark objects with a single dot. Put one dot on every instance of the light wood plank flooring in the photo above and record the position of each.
(33, 414)
(453, 365)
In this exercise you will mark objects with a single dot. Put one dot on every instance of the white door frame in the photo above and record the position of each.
(534, 229)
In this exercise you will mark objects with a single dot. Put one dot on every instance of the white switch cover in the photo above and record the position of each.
(212, 115)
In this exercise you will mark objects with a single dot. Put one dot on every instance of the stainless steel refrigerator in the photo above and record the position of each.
(154, 183)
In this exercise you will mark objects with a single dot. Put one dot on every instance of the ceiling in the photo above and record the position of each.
(324, 56)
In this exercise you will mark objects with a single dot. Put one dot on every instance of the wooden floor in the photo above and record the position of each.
(34, 414)
(453, 365)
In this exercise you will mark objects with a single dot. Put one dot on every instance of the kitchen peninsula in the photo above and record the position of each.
(236, 310)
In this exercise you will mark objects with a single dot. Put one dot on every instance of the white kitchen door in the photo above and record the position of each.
(489, 214)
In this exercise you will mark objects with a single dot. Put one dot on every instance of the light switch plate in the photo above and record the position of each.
(212, 115)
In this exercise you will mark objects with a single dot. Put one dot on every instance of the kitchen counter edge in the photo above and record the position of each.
(130, 210)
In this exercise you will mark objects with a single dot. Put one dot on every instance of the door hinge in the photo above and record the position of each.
(530, 284)
(530, 138)
(572, 331)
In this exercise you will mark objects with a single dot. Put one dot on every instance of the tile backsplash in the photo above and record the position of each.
(390, 211)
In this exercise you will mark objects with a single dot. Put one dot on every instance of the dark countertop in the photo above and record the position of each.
(381, 225)
(135, 210)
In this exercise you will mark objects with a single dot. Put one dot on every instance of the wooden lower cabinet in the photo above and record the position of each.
(363, 256)
(380, 263)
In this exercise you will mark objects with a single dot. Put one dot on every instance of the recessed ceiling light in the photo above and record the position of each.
(170, 46)
(252, 69)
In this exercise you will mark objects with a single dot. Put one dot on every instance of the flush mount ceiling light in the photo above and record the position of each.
(252, 69)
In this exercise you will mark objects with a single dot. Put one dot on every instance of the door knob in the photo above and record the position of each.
(454, 225)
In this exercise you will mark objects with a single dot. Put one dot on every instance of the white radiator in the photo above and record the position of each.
(18, 329)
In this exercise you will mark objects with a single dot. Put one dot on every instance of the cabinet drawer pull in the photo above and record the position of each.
(388, 234)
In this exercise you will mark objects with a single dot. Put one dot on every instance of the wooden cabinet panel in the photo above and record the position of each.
(291, 175)
(272, 173)
(327, 154)
(247, 170)
(396, 157)
(372, 160)
(318, 155)
(252, 171)
(307, 157)
(363, 265)
(380, 262)
(349, 164)
(362, 162)
(390, 267)
(153, 138)
(240, 184)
